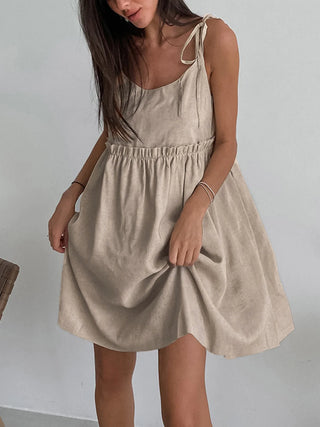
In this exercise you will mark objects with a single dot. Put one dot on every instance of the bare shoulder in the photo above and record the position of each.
(220, 43)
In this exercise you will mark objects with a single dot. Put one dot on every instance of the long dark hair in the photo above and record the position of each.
(113, 52)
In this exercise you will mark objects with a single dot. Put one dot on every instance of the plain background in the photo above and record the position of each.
(48, 128)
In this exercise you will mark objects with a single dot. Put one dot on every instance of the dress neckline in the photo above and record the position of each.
(163, 86)
(193, 62)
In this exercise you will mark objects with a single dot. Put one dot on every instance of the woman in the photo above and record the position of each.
(168, 250)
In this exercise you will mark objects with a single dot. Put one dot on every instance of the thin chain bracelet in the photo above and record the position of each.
(204, 185)
(213, 193)
(208, 194)
(78, 183)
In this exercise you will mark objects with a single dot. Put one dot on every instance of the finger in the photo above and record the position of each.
(196, 254)
(173, 253)
(181, 256)
(66, 236)
(56, 243)
(189, 257)
(63, 241)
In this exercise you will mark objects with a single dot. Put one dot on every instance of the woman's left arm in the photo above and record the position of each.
(222, 59)
(222, 56)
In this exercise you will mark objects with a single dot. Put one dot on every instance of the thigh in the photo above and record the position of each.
(181, 368)
(112, 365)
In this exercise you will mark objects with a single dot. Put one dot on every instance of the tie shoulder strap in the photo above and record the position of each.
(198, 41)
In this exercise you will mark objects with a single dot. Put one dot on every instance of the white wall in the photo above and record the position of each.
(48, 127)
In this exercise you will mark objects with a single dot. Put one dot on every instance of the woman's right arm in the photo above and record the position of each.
(58, 223)
(74, 191)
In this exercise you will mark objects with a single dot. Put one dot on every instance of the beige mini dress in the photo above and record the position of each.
(118, 288)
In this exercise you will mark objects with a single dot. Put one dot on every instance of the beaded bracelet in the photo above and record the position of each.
(78, 183)
(204, 185)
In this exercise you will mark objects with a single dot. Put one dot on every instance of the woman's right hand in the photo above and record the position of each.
(58, 223)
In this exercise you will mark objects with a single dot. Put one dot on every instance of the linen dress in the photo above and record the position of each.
(118, 288)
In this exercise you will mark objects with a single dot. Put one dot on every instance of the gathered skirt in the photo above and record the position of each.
(118, 288)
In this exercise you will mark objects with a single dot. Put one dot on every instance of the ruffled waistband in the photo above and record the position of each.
(160, 151)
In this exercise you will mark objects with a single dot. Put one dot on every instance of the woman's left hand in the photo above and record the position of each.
(186, 239)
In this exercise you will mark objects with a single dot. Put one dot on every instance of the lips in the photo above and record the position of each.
(129, 16)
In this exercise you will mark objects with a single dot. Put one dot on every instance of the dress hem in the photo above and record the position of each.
(212, 350)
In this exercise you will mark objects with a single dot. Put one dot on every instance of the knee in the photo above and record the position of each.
(112, 382)
(113, 377)
(111, 373)
(114, 374)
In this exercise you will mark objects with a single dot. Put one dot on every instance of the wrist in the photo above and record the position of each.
(198, 203)
(73, 192)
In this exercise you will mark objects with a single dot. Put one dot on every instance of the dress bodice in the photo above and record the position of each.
(180, 112)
